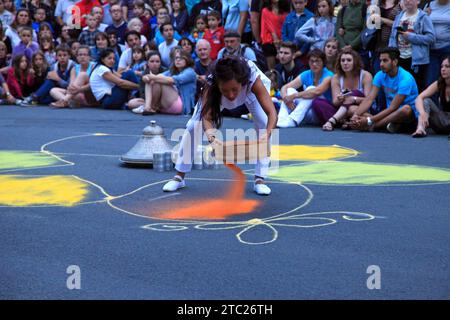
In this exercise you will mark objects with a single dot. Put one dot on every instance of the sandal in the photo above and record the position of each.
(60, 104)
(331, 125)
(148, 112)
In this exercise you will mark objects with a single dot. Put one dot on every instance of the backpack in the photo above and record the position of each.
(261, 61)
(368, 35)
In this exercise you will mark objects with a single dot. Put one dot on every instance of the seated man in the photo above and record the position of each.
(401, 92)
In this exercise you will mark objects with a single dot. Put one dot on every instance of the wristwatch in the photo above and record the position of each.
(369, 121)
(354, 99)
(7, 94)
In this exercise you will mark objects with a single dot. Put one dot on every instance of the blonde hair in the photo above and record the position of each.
(133, 23)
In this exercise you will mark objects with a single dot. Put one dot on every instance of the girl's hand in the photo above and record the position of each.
(340, 98)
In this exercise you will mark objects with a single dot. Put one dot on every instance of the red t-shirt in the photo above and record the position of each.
(82, 8)
(215, 39)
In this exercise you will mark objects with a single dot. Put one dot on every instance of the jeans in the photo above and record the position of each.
(42, 95)
(119, 96)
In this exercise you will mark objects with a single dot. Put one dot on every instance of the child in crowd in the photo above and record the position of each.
(179, 16)
(26, 46)
(136, 24)
(199, 29)
(139, 13)
(87, 37)
(214, 34)
(39, 69)
(48, 48)
(20, 81)
(138, 61)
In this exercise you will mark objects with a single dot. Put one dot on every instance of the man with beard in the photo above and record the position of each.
(288, 67)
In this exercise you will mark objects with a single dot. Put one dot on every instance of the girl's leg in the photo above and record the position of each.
(190, 140)
(58, 93)
(152, 93)
(262, 165)
(169, 95)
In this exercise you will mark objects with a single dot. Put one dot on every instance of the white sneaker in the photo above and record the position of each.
(261, 189)
(286, 123)
(393, 127)
(174, 184)
(138, 110)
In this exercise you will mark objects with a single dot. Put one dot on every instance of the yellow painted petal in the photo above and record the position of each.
(18, 190)
(310, 153)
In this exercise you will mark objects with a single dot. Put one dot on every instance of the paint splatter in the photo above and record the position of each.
(310, 153)
(360, 173)
(52, 190)
(24, 159)
(232, 204)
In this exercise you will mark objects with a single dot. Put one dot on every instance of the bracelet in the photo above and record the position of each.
(211, 138)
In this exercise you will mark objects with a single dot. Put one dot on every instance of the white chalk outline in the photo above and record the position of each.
(247, 225)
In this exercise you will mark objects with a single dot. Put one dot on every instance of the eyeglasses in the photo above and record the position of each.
(178, 58)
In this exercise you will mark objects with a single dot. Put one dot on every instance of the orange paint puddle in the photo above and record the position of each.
(232, 204)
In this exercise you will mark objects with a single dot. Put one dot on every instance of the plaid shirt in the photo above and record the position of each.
(87, 37)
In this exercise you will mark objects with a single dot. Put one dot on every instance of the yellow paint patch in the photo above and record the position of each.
(310, 153)
(52, 190)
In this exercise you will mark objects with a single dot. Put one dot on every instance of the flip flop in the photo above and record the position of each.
(148, 112)
(419, 135)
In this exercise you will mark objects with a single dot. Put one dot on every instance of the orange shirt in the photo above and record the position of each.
(271, 23)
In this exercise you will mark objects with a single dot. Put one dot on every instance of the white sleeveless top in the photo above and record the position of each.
(246, 95)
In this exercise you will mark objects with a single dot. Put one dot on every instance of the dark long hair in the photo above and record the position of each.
(283, 5)
(441, 83)
(224, 70)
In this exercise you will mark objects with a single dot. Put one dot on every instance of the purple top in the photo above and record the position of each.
(22, 49)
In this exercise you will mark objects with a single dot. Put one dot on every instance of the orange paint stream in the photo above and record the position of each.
(232, 204)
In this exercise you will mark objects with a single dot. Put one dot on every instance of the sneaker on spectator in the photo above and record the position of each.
(247, 116)
(138, 110)
(393, 127)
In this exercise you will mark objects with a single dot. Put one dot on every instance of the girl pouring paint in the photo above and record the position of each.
(232, 83)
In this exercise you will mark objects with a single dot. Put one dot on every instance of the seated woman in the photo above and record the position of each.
(438, 118)
(78, 93)
(296, 106)
(111, 89)
(172, 92)
(101, 43)
(349, 86)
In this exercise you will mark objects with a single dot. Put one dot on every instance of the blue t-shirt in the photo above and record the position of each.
(403, 83)
(307, 79)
